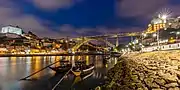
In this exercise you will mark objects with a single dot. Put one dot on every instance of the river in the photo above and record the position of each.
(12, 69)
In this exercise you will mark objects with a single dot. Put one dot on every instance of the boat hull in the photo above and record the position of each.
(83, 72)
(76, 73)
(60, 69)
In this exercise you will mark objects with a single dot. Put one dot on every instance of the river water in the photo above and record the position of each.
(12, 69)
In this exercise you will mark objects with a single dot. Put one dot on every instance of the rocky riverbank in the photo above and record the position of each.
(145, 71)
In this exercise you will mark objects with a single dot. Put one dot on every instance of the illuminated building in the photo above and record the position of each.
(156, 24)
(160, 24)
(12, 29)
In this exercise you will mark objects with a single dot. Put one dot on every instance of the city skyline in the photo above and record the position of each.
(60, 18)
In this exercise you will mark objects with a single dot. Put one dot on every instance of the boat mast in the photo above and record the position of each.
(73, 62)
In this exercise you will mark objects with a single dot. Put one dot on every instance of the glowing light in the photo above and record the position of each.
(164, 13)
(154, 35)
(178, 33)
(164, 17)
(144, 34)
(149, 25)
(133, 42)
(136, 41)
(140, 44)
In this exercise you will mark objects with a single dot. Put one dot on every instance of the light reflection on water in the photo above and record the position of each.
(14, 68)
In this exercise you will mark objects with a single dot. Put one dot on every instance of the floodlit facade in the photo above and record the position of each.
(12, 29)
(158, 24)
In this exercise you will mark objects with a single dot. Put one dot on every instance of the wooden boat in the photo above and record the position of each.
(61, 69)
(64, 61)
(80, 62)
(115, 54)
(106, 59)
(81, 70)
(81, 78)
(88, 75)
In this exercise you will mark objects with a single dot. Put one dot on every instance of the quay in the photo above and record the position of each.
(56, 54)
(145, 71)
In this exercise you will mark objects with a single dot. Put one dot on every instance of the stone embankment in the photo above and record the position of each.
(146, 71)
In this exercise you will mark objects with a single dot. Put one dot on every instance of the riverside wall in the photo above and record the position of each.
(145, 71)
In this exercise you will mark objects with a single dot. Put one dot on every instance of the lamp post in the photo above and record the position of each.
(158, 39)
(177, 34)
(144, 35)
(163, 18)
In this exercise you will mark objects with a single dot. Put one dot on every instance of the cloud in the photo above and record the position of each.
(174, 9)
(144, 10)
(138, 8)
(104, 30)
(12, 16)
(53, 4)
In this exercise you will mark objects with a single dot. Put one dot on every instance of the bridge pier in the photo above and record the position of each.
(117, 41)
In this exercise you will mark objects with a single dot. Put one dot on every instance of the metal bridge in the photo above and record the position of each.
(84, 40)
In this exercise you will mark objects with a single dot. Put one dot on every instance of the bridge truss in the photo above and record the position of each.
(83, 40)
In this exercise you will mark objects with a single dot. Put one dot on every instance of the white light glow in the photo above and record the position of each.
(144, 34)
(164, 17)
(140, 44)
(178, 33)
(154, 35)
(164, 13)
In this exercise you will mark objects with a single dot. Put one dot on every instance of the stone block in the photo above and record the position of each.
(171, 85)
(176, 88)
(160, 81)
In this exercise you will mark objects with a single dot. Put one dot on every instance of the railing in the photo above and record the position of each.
(162, 47)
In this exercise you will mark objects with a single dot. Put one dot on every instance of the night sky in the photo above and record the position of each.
(60, 18)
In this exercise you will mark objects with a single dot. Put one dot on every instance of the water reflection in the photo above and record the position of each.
(14, 68)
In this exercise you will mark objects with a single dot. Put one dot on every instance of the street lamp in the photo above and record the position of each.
(126, 45)
(133, 42)
(145, 35)
(140, 44)
(177, 34)
(154, 35)
(163, 17)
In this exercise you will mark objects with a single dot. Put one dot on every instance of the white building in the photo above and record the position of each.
(12, 29)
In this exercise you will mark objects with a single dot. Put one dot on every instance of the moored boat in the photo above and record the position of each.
(106, 59)
(115, 54)
(81, 70)
(61, 69)
(81, 78)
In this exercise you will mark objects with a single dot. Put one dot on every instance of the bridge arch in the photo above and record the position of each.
(99, 48)
(78, 45)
